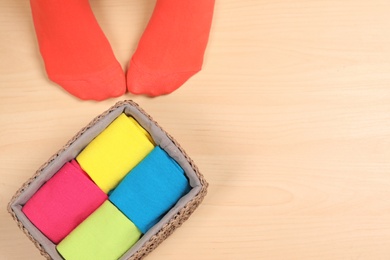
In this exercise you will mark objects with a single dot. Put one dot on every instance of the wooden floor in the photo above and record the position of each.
(289, 121)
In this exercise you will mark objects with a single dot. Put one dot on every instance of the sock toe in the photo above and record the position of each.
(154, 83)
(109, 82)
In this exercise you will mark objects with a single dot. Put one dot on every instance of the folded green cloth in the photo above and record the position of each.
(106, 234)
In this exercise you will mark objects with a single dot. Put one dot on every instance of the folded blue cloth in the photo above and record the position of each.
(150, 189)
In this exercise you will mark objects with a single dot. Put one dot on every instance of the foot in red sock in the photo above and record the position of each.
(76, 53)
(171, 49)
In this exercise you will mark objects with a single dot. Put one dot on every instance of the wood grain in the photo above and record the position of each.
(289, 121)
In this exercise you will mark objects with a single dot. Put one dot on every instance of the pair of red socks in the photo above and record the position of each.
(78, 56)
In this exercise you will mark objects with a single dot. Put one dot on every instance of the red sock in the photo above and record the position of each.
(172, 46)
(76, 53)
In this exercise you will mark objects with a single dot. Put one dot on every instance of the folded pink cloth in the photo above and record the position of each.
(63, 202)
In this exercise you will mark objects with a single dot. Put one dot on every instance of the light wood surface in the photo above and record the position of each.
(289, 121)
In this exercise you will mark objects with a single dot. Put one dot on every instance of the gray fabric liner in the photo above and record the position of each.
(74, 149)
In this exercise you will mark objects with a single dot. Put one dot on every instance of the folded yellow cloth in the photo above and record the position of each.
(106, 234)
(115, 151)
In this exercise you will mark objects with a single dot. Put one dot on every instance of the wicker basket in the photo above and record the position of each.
(172, 220)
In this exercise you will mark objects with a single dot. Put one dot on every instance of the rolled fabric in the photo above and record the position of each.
(63, 202)
(150, 189)
(106, 234)
(115, 151)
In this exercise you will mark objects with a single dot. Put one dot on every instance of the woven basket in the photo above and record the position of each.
(172, 220)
